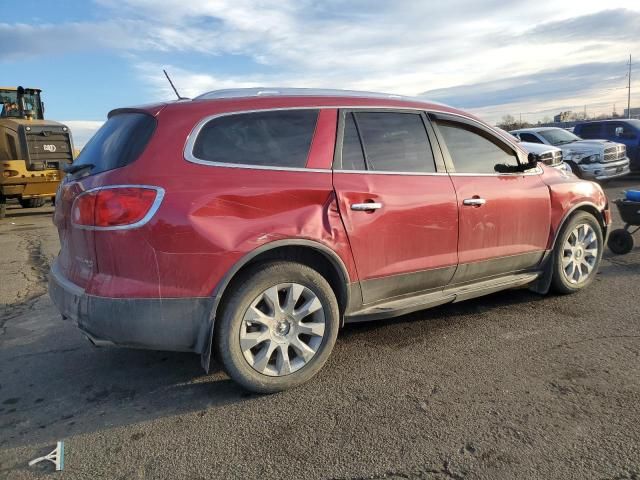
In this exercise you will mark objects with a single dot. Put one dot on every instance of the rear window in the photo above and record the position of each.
(118, 142)
(279, 138)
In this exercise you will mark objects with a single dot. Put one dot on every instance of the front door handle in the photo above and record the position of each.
(365, 207)
(474, 202)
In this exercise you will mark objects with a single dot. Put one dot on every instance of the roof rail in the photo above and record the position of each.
(297, 92)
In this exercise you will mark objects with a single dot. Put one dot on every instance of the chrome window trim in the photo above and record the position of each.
(152, 211)
(195, 131)
(384, 172)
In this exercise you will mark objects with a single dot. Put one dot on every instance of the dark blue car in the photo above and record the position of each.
(625, 131)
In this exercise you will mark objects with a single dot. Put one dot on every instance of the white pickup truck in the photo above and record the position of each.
(589, 159)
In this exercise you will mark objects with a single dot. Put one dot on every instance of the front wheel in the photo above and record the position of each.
(278, 328)
(577, 253)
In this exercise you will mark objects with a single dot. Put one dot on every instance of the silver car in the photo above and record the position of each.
(589, 159)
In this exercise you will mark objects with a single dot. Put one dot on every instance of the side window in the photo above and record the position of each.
(475, 151)
(395, 142)
(272, 138)
(590, 130)
(352, 155)
(529, 137)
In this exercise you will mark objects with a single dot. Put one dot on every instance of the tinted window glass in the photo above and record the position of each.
(352, 156)
(473, 152)
(395, 142)
(118, 142)
(590, 130)
(529, 137)
(275, 138)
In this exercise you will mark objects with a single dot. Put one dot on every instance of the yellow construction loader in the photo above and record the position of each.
(33, 151)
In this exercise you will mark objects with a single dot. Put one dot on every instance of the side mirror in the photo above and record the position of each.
(532, 161)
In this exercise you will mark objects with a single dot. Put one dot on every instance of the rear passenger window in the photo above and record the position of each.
(474, 151)
(269, 139)
(393, 142)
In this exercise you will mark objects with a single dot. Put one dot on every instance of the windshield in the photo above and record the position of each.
(558, 136)
(10, 106)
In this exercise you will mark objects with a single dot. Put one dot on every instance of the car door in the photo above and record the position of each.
(397, 203)
(504, 215)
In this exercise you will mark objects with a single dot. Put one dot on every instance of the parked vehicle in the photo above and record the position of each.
(621, 239)
(589, 159)
(33, 150)
(625, 131)
(257, 222)
(547, 154)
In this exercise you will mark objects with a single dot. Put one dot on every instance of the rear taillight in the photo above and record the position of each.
(116, 207)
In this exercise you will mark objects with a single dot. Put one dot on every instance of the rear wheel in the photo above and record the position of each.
(577, 253)
(278, 328)
(620, 241)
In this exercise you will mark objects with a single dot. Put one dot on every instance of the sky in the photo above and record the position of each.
(490, 57)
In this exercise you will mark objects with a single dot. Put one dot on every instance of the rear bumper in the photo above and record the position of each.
(178, 324)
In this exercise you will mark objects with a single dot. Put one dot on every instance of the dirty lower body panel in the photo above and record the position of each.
(178, 324)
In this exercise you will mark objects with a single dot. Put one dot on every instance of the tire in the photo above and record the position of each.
(32, 202)
(620, 241)
(575, 267)
(3, 209)
(280, 357)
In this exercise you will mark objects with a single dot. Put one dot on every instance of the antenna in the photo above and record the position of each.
(173, 86)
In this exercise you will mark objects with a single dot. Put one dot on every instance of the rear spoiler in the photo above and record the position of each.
(152, 109)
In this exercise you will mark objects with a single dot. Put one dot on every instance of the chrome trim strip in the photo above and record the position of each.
(537, 171)
(195, 131)
(154, 208)
(384, 172)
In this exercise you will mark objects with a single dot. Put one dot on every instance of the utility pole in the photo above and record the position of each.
(629, 92)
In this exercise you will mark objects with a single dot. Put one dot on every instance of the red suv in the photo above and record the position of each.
(257, 222)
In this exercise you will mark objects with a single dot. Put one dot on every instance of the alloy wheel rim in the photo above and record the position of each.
(282, 329)
(580, 254)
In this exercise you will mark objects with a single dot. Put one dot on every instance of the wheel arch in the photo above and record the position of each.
(309, 252)
(588, 207)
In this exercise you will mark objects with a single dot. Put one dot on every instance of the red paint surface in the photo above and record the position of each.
(212, 216)
(515, 218)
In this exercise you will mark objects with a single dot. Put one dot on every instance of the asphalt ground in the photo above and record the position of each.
(513, 385)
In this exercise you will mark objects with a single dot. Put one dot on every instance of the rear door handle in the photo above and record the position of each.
(365, 207)
(474, 202)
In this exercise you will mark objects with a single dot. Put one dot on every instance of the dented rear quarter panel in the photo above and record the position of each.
(212, 216)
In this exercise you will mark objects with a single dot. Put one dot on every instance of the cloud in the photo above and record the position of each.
(611, 25)
(406, 47)
(82, 130)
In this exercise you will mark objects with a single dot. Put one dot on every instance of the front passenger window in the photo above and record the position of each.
(474, 151)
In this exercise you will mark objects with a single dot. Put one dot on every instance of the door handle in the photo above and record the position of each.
(474, 202)
(365, 207)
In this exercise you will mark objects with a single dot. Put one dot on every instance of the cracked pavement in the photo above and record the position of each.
(513, 385)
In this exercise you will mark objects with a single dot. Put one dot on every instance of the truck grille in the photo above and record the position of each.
(48, 147)
(611, 154)
(551, 158)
